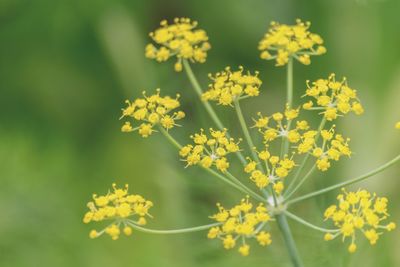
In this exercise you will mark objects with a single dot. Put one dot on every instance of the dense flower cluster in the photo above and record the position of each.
(284, 41)
(152, 110)
(359, 211)
(333, 97)
(333, 147)
(210, 150)
(179, 39)
(229, 86)
(240, 223)
(277, 169)
(275, 126)
(117, 206)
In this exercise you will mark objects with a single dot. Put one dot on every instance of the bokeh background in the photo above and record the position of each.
(67, 66)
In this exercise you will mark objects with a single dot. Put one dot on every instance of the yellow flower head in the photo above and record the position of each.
(278, 169)
(229, 86)
(120, 207)
(397, 126)
(180, 39)
(275, 126)
(331, 148)
(209, 151)
(358, 213)
(151, 111)
(243, 221)
(333, 98)
(282, 42)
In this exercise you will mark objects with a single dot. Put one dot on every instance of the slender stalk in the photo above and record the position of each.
(206, 104)
(239, 186)
(310, 225)
(289, 83)
(349, 182)
(233, 178)
(175, 231)
(303, 163)
(289, 241)
(308, 175)
(170, 138)
(199, 91)
(246, 133)
(289, 103)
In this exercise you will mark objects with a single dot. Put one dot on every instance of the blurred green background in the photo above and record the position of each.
(67, 66)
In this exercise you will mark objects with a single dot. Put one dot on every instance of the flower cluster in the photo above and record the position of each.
(333, 147)
(229, 86)
(179, 39)
(275, 126)
(210, 150)
(333, 97)
(152, 110)
(286, 41)
(360, 211)
(239, 223)
(120, 207)
(277, 169)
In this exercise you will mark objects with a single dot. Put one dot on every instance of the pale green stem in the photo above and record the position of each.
(289, 83)
(170, 138)
(175, 231)
(310, 225)
(289, 241)
(206, 104)
(240, 186)
(303, 163)
(289, 103)
(349, 182)
(249, 191)
(246, 133)
(308, 175)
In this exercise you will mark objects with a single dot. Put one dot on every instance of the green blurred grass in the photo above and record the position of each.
(66, 68)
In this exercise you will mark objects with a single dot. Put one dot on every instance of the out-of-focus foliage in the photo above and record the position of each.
(67, 66)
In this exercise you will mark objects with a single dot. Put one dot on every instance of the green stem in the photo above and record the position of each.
(310, 225)
(349, 182)
(206, 104)
(249, 191)
(289, 103)
(301, 182)
(176, 231)
(289, 241)
(240, 186)
(170, 138)
(246, 133)
(289, 83)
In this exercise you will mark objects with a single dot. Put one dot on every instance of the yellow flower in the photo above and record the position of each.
(333, 98)
(180, 39)
(153, 110)
(229, 86)
(397, 126)
(117, 206)
(274, 127)
(210, 150)
(358, 212)
(242, 221)
(284, 41)
(277, 169)
(333, 147)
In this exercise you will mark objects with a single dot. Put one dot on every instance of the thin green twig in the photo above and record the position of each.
(310, 225)
(349, 182)
(169, 232)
